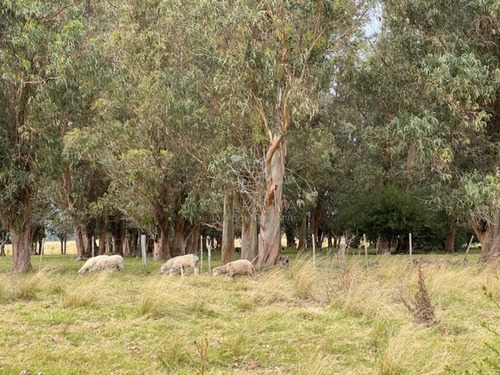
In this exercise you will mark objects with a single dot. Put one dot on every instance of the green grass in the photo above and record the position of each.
(328, 320)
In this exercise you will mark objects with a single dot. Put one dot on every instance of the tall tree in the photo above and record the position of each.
(432, 80)
(32, 58)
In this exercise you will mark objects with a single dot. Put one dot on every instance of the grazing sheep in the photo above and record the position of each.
(220, 270)
(109, 263)
(181, 262)
(236, 267)
(89, 264)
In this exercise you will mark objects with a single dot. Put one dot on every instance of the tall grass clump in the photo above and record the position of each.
(267, 290)
(89, 291)
(171, 297)
(27, 287)
(305, 279)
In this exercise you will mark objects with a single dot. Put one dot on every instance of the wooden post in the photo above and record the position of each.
(314, 251)
(366, 248)
(143, 250)
(41, 253)
(467, 251)
(201, 254)
(93, 250)
(411, 250)
(209, 257)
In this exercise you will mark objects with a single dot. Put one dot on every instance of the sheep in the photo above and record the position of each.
(109, 263)
(180, 263)
(89, 264)
(236, 267)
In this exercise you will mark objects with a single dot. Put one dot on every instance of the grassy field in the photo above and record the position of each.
(328, 320)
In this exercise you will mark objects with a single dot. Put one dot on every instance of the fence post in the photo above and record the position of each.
(143, 250)
(314, 250)
(201, 254)
(411, 250)
(209, 247)
(41, 254)
(467, 251)
(93, 249)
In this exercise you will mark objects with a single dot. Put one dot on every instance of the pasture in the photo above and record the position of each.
(332, 319)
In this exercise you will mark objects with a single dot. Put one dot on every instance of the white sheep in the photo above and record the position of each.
(90, 263)
(109, 263)
(236, 267)
(180, 262)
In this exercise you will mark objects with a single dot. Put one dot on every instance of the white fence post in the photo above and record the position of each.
(201, 254)
(143, 250)
(209, 246)
(411, 250)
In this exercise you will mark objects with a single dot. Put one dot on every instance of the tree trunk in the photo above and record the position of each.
(315, 221)
(103, 235)
(178, 244)
(161, 250)
(489, 236)
(449, 246)
(270, 230)
(80, 238)
(302, 234)
(193, 239)
(119, 235)
(290, 238)
(20, 235)
(249, 239)
(227, 250)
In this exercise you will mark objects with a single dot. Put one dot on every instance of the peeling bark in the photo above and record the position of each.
(270, 229)
(488, 234)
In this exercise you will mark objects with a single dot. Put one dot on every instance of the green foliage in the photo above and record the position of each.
(389, 213)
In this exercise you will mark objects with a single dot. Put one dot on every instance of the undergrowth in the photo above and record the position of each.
(323, 318)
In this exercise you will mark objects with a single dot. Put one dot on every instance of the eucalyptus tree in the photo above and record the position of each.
(288, 46)
(433, 80)
(152, 124)
(33, 36)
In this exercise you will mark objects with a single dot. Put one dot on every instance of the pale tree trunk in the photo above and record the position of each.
(449, 246)
(161, 250)
(489, 236)
(270, 229)
(227, 249)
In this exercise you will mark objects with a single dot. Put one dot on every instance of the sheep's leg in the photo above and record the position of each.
(195, 270)
(182, 270)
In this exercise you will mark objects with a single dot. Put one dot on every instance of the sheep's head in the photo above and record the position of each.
(219, 270)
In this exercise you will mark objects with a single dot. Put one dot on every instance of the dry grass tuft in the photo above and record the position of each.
(305, 279)
(420, 306)
(267, 290)
(89, 291)
(27, 287)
